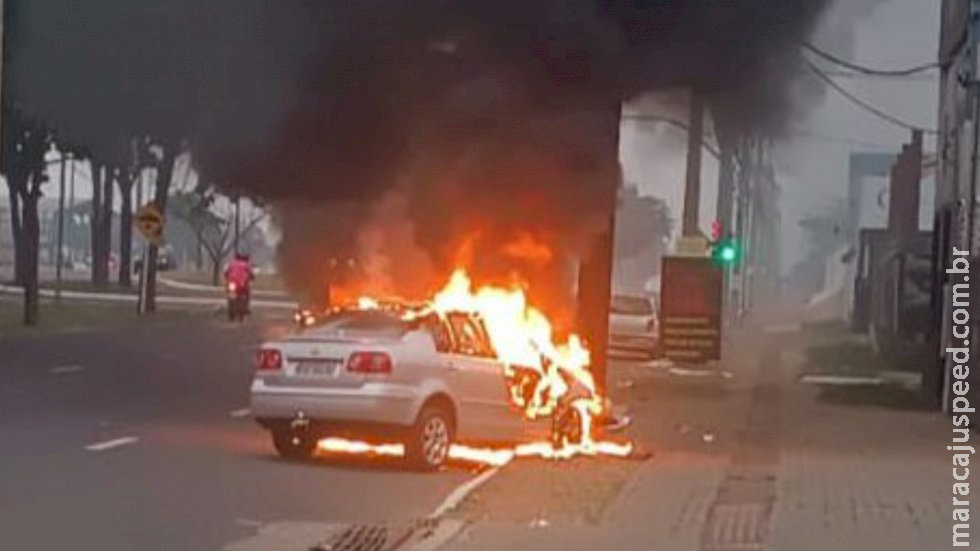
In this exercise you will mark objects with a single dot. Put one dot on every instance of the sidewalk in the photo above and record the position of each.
(759, 462)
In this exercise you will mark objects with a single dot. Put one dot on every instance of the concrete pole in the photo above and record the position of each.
(595, 269)
(692, 185)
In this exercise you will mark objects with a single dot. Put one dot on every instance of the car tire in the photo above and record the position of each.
(294, 445)
(432, 435)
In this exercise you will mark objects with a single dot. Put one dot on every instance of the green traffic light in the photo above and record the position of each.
(726, 252)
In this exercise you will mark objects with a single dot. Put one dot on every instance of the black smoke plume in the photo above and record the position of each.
(448, 119)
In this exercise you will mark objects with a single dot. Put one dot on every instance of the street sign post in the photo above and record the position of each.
(149, 222)
(691, 309)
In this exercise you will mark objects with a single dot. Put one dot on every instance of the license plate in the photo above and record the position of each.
(316, 368)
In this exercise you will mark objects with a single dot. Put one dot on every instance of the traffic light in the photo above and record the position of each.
(726, 251)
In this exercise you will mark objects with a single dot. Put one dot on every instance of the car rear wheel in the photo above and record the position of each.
(294, 445)
(428, 444)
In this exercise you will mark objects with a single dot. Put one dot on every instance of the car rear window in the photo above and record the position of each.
(366, 321)
(633, 306)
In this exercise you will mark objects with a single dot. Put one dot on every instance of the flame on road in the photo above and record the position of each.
(342, 445)
(484, 456)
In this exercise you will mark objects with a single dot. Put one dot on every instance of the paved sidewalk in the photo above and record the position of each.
(760, 462)
(862, 477)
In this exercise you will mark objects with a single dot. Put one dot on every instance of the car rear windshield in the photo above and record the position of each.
(633, 306)
(368, 321)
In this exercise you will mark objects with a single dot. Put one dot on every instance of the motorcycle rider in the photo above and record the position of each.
(239, 273)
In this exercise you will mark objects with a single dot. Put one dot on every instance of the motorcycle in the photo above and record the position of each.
(238, 299)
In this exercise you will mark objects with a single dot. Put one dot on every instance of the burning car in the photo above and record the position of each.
(428, 382)
(472, 367)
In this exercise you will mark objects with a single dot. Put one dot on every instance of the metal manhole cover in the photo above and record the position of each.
(364, 538)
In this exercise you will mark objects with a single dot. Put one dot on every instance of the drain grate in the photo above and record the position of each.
(363, 538)
(736, 527)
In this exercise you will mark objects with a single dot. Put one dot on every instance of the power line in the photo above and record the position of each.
(810, 135)
(868, 70)
(806, 134)
(841, 73)
(672, 122)
(867, 106)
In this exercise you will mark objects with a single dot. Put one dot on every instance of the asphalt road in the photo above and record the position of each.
(129, 440)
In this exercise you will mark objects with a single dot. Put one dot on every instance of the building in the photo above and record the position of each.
(955, 222)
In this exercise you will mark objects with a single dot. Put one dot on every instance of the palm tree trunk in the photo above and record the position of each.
(126, 232)
(17, 229)
(162, 192)
(30, 244)
(95, 225)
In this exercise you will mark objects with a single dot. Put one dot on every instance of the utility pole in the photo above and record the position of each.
(595, 268)
(724, 208)
(61, 228)
(692, 187)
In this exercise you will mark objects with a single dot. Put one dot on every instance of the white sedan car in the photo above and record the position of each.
(634, 325)
(428, 383)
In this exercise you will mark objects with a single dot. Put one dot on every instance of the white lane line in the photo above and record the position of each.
(110, 444)
(838, 380)
(64, 369)
(239, 413)
(462, 491)
(249, 523)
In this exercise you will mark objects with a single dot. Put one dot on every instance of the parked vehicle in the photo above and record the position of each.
(369, 373)
(166, 261)
(634, 325)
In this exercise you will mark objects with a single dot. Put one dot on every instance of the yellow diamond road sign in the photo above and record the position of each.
(149, 222)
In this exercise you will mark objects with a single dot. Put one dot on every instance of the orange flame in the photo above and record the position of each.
(559, 382)
(523, 337)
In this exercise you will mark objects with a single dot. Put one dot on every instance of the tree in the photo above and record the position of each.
(101, 221)
(218, 221)
(140, 158)
(26, 140)
(643, 224)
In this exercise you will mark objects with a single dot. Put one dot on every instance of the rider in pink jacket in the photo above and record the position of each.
(239, 271)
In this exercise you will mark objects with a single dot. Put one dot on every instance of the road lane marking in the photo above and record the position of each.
(841, 380)
(110, 444)
(249, 523)
(462, 491)
(240, 413)
(65, 369)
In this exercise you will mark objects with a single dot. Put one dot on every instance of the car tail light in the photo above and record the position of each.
(269, 359)
(369, 362)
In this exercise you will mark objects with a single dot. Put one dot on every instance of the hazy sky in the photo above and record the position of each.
(812, 171)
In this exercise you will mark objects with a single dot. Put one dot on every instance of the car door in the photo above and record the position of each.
(478, 380)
